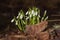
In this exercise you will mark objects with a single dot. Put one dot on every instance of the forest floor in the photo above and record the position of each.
(23, 37)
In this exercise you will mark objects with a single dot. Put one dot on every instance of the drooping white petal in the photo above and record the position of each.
(36, 13)
(27, 18)
(29, 13)
(26, 12)
(45, 11)
(21, 16)
(32, 12)
(12, 20)
(16, 22)
(17, 16)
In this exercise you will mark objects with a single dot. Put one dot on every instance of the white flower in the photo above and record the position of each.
(35, 13)
(45, 11)
(16, 22)
(29, 13)
(30, 16)
(26, 12)
(27, 18)
(32, 12)
(17, 16)
(21, 16)
(39, 16)
(12, 20)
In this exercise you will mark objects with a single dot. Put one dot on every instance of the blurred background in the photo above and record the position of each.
(10, 8)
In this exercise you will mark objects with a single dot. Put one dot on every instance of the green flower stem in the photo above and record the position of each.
(45, 13)
(30, 21)
(19, 25)
(23, 25)
(33, 21)
(26, 21)
(44, 16)
(37, 19)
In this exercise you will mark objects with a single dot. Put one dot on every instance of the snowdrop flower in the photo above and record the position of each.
(26, 12)
(27, 18)
(35, 13)
(21, 16)
(17, 16)
(29, 13)
(45, 11)
(32, 12)
(16, 22)
(12, 20)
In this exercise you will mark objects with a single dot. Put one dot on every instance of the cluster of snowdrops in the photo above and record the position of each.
(31, 17)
